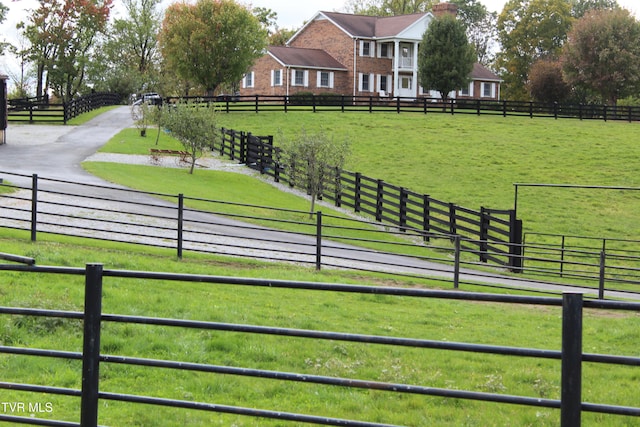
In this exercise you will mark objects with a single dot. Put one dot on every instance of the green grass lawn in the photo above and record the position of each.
(474, 161)
(455, 321)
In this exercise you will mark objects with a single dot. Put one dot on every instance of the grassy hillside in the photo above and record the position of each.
(474, 161)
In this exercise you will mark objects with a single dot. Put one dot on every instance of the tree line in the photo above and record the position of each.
(575, 51)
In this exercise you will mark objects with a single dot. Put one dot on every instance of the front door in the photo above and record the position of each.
(406, 87)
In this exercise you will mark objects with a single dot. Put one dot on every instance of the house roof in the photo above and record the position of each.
(305, 58)
(372, 26)
(480, 72)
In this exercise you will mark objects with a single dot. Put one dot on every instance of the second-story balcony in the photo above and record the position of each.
(405, 63)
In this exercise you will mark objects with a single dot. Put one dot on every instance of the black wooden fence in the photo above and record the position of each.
(94, 395)
(424, 105)
(497, 234)
(40, 110)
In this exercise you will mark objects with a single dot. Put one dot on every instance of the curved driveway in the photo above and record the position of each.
(56, 152)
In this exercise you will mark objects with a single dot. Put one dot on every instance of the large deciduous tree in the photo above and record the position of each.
(529, 30)
(546, 83)
(211, 42)
(481, 28)
(445, 57)
(62, 34)
(581, 7)
(602, 54)
(128, 60)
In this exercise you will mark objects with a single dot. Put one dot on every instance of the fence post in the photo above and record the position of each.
(504, 108)
(318, 240)
(338, 187)
(91, 345)
(257, 103)
(562, 250)
(426, 214)
(404, 195)
(516, 243)
(605, 113)
(602, 272)
(555, 110)
(484, 234)
(452, 219)
(34, 206)
(571, 389)
(379, 199)
(453, 102)
(356, 196)
(243, 148)
(456, 262)
(180, 223)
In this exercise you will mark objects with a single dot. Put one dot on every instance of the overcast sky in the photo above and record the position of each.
(291, 13)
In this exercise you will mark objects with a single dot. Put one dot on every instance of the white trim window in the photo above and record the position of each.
(300, 78)
(367, 48)
(466, 91)
(385, 50)
(249, 80)
(325, 79)
(366, 82)
(276, 77)
(384, 83)
(488, 90)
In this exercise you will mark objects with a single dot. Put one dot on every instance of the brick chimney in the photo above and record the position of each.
(441, 9)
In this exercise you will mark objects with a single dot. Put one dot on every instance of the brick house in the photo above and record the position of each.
(356, 55)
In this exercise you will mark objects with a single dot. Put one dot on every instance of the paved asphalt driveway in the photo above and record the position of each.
(56, 151)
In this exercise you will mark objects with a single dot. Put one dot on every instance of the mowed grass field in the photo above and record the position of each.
(452, 321)
(474, 161)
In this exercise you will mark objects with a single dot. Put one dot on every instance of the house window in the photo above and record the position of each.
(384, 50)
(406, 82)
(325, 79)
(487, 90)
(300, 78)
(382, 85)
(248, 80)
(367, 48)
(466, 91)
(276, 78)
(406, 55)
(365, 82)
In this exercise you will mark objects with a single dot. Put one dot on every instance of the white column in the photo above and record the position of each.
(396, 66)
(415, 69)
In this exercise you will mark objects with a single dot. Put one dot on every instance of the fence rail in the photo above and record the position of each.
(40, 110)
(92, 393)
(185, 224)
(423, 105)
(390, 204)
